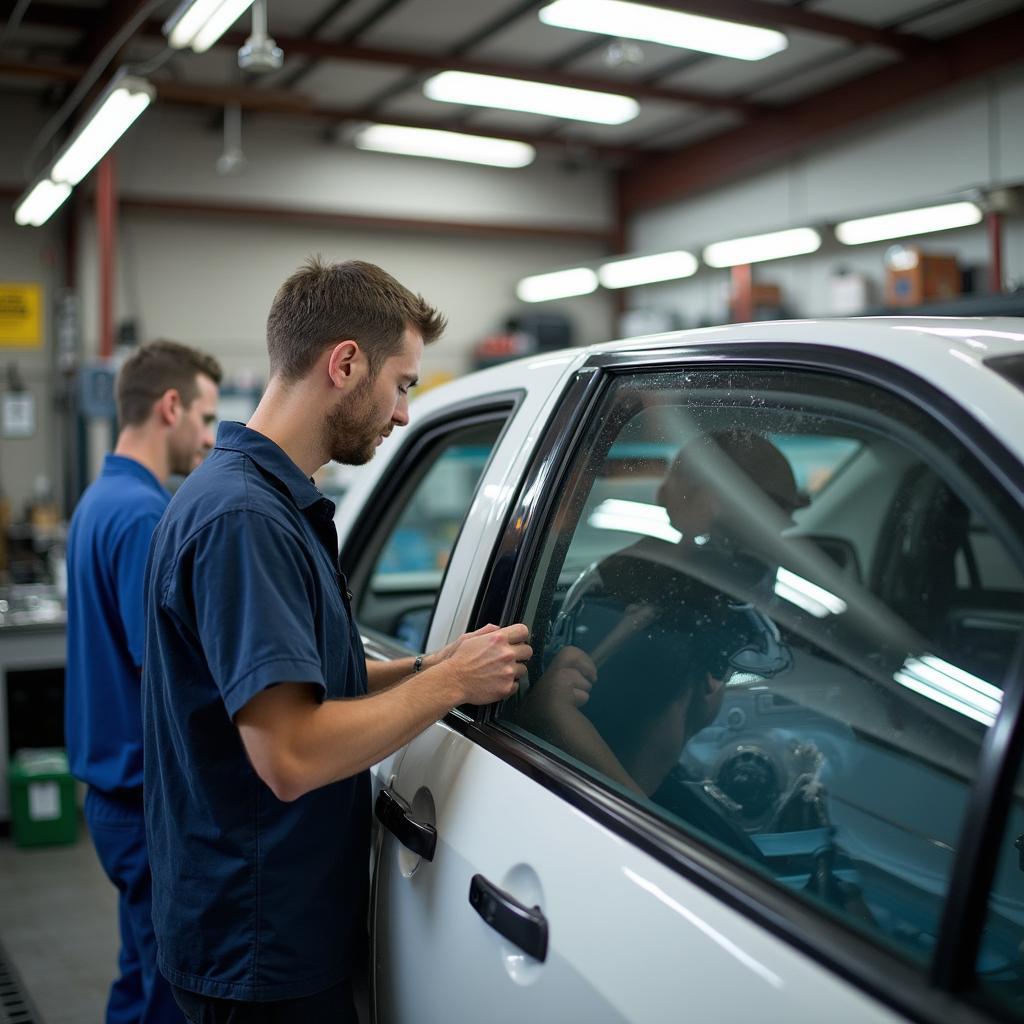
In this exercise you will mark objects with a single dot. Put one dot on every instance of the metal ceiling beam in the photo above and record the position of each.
(772, 137)
(324, 49)
(284, 101)
(327, 50)
(782, 16)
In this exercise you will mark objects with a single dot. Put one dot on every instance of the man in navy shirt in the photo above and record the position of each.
(261, 713)
(166, 399)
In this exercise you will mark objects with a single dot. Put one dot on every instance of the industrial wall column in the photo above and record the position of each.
(994, 223)
(106, 231)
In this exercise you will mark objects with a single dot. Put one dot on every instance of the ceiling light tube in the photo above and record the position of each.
(115, 111)
(775, 245)
(638, 270)
(908, 222)
(670, 28)
(561, 284)
(442, 145)
(531, 97)
(200, 23)
(40, 202)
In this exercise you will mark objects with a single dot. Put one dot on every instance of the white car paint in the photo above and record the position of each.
(631, 940)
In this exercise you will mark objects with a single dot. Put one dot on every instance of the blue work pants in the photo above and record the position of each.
(140, 995)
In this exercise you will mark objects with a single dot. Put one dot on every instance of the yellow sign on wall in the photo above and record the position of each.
(21, 314)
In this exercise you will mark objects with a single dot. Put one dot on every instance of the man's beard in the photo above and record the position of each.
(352, 429)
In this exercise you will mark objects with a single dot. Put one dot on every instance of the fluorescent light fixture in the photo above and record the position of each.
(41, 202)
(532, 97)
(634, 517)
(441, 145)
(814, 599)
(951, 687)
(662, 266)
(115, 111)
(558, 285)
(908, 222)
(200, 23)
(670, 28)
(776, 245)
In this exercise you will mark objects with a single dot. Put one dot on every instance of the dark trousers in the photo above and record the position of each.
(333, 1006)
(140, 995)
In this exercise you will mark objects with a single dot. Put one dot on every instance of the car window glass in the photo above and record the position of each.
(782, 663)
(1001, 937)
(397, 583)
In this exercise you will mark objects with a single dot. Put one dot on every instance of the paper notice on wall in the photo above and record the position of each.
(43, 801)
(21, 316)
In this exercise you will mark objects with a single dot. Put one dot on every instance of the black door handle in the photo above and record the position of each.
(525, 927)
(396, 816)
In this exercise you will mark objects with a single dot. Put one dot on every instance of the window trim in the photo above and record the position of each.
(391, 488)
(922, 995)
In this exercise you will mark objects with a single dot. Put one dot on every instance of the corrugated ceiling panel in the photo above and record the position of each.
(861, 62)
(434, 25)
(725, 77)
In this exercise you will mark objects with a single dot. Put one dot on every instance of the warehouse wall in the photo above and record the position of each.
(209, 279)
(29, 255)
(966, 137)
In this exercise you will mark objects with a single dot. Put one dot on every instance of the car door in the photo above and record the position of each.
(813, 866)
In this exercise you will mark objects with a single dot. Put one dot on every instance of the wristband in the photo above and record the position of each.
(418, 663)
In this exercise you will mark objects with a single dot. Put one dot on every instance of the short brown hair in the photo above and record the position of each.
(155, 368)
(323, 303)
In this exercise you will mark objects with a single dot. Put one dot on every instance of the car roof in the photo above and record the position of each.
(979, 337)
(950, 353)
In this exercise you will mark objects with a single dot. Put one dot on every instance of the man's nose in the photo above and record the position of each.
(400, 417)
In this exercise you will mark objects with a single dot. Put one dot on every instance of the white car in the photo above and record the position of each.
(775, 774)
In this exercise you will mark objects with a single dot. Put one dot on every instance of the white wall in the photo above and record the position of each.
(970, 136)
(209, 281)
(29, 254)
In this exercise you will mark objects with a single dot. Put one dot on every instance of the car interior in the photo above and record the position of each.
(842, 775)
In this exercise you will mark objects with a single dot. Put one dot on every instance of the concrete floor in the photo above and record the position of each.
(58, 926)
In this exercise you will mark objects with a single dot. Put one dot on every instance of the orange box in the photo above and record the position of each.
(932, 276)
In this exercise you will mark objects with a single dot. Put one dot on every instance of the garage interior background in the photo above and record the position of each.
(872, 107)
(230, 179)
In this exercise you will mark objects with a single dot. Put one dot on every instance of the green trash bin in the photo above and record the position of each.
(42, 798)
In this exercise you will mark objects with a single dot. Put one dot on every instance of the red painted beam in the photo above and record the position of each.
(772, 137)
(106, 232)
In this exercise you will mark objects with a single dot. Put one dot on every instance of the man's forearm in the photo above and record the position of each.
(297, 744)
(382, 674)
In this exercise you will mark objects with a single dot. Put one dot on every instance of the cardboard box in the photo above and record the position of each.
(921, 277)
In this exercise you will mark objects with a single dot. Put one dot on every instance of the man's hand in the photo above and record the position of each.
(554, 700)
(487, 664)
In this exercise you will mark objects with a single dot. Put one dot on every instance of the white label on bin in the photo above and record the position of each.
(43, 801)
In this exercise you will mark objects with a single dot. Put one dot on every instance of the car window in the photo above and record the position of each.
(750, 618)
(398, 577)
(1004, 923)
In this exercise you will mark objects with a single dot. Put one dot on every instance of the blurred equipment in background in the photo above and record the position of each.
(849, 293)
(913, 276)
(523, 335)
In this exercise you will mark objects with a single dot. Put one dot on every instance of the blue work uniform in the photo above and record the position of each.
(107, 547)
(254, 900)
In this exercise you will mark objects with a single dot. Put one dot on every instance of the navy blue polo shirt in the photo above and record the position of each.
(253, 899)
(108, 543)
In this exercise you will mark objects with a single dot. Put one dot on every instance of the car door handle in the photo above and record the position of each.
(525, 927)
(396, 816)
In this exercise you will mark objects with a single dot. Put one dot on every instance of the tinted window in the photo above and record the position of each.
(397, 582)
(791, 672)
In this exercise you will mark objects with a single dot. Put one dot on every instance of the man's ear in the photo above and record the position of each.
(169, 407)
(343, 363)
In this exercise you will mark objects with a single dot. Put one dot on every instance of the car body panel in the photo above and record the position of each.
(631, 937)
